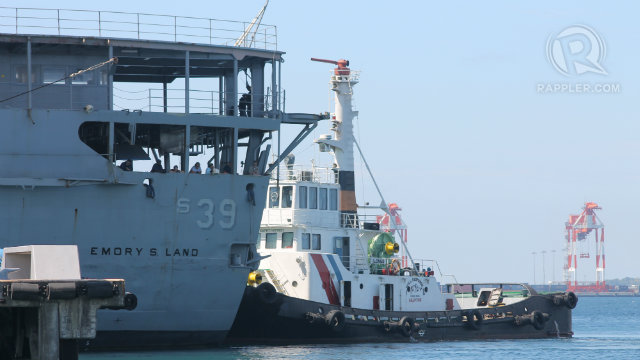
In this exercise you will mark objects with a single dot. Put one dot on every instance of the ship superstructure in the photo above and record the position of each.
(72, 167)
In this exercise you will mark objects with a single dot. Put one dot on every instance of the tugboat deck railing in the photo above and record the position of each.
(140, 26)
(322, 175)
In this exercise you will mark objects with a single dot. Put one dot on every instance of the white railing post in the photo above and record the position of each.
(99, 24)
(58, 21)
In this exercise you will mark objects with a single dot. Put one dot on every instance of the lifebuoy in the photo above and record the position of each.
(474, 319)
(537, 320)
(267, 293)
(335, 320)
(406, 326)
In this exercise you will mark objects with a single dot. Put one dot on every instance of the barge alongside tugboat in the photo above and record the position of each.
(334, 273)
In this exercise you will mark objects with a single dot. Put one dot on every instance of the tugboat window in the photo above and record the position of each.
(274, 196)
(302, 197)
(272, 239)
(333, 199)
(323, 199)
(287, 240)
(258, 242)
(306, 241)
(287, 196)
(313, 198)
(316, 243)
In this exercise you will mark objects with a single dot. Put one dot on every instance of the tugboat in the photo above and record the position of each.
(75, 169)
(334, 271)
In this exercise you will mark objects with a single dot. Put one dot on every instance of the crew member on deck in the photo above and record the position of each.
(157, 167)
(211, 170)
(127, 165)
(196, 169)
(245, 103)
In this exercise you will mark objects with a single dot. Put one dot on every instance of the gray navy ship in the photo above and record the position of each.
(184, 242)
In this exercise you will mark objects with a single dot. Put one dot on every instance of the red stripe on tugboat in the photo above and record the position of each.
(327, 283)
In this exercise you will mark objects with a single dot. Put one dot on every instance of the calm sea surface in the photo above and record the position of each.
(604, 328)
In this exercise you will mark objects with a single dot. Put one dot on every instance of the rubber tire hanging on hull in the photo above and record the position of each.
(335, 320)
(474, 319)
(537, 320)
(267, 293)
(571, 300)
(406, 326)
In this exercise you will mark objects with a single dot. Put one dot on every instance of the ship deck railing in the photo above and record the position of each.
(364, 220)
(140, 26)
(200, 101)
(322, 175)
(471, 289)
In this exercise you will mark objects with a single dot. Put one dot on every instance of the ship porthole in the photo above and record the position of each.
(320, 310)
(361, 286)
(294, 284)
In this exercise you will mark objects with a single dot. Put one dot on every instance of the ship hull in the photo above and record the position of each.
(287, 320)
(180, 267)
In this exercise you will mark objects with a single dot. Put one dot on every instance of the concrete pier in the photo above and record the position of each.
(43, 319)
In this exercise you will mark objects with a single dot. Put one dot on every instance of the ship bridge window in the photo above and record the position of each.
(302, 197)
(322, 198)
(272, 239)
(274, 196)
(21, 74)
(287, 240)
(313, 198)
(51, 74)
(306, 241)
(82, 79)
(316, 243)
(287, 196)
(259, 241)
(333, 199)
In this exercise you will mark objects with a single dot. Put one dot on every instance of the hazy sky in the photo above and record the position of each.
(486, 168)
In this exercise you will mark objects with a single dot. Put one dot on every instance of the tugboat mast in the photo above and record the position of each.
(341, 143)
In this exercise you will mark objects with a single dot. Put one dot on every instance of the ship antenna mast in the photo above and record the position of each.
(342, 143)
(254, 23)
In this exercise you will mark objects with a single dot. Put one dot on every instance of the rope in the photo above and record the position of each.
(80, 72)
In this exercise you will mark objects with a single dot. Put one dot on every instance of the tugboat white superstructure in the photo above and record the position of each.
(335, 272)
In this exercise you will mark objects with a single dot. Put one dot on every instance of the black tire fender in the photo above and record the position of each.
(538, 320)
(570, 300)
(406, 326)
(474, 319)
(335, 320)
(267, 293)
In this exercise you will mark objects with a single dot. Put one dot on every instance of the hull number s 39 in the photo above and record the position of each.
(225, 214)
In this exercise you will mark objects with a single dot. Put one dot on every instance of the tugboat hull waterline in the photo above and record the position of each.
(266, 317)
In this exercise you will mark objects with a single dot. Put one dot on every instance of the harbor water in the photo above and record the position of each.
(603, 327)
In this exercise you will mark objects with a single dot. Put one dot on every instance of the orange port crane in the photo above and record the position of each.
(578, 229)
